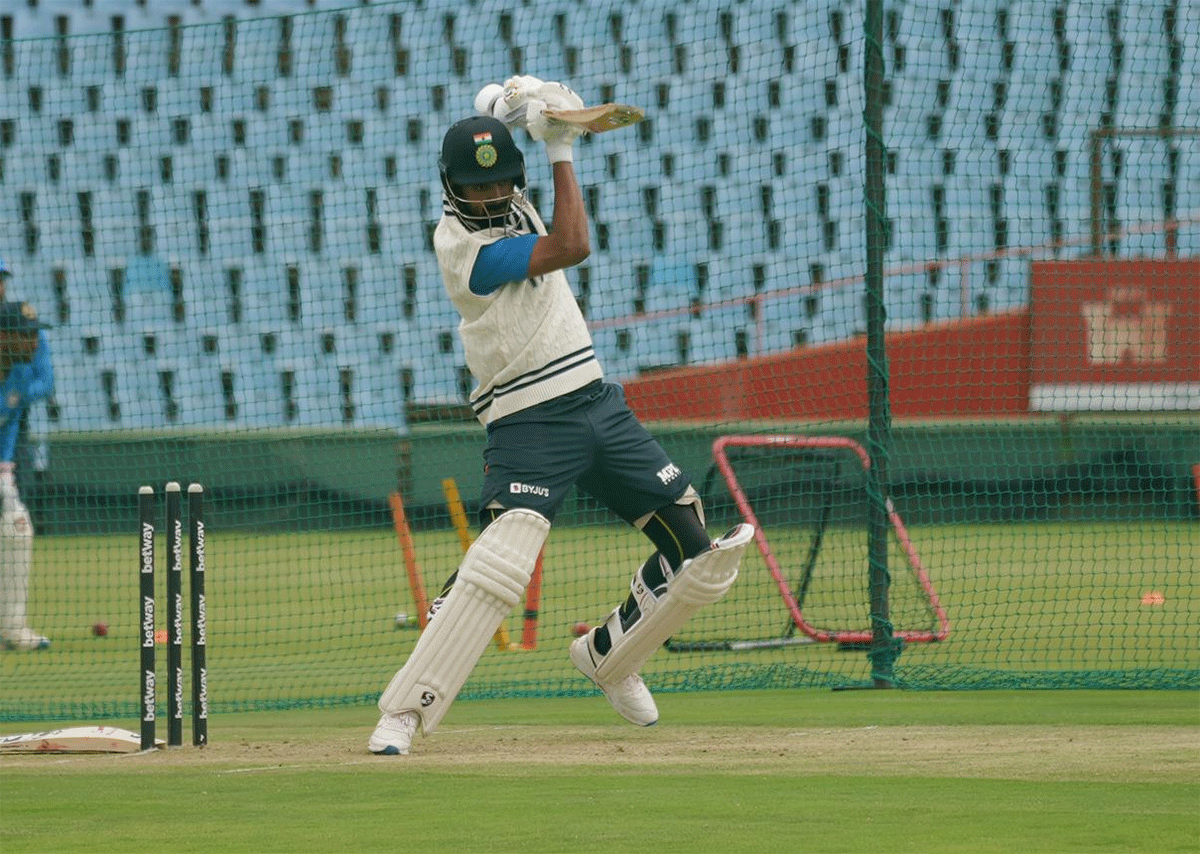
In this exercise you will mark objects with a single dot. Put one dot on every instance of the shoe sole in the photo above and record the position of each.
(9, 646)
(390, 750)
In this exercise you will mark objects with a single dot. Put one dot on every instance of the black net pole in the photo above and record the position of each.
(884, 647)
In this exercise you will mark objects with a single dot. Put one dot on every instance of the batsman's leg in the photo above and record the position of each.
(657, 608)
(491, 581)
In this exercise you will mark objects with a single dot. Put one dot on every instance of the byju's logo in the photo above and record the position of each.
(527, 489)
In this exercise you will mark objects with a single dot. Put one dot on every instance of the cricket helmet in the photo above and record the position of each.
(479, 150)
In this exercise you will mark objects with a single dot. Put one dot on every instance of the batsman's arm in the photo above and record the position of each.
(568, 242)
(41, 384)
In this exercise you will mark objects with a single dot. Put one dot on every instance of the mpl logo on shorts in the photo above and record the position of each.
(528, 489)
(668, 473)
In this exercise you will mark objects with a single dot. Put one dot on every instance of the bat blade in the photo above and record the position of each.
(82, 739)
(599, 119)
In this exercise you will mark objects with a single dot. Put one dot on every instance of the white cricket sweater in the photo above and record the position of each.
(527, 341)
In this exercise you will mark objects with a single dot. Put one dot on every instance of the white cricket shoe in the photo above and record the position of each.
(24, 639)
(394, 733)
(629, 696)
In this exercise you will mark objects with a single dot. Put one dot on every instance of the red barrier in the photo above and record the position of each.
(967, 368)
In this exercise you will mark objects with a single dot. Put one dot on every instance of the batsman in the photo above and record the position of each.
(552, 424)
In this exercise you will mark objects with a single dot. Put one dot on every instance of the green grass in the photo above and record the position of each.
(300, 619)
(818, 771)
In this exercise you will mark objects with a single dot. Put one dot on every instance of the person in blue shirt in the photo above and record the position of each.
(29, 459)
(20, 385)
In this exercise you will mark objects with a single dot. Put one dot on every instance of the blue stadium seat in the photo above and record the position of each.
(70, 392)
(746, 235)
(1031, 164)
(31, 23)
(645, 21)
(700, 26)
(200, 54)
(197, 394)
(1036, 54)
(801, 235)
(632, 238)
(231, 237)
(587, 24)
(781, 321)
(801, 96)
(79, 394)
(902, 297)
(150, 47)
(841, 314)
(913, 238)
(1187, 200)
(377, 393)
(323, 289)
(264, 294)
(672, 284)
(435, 380)
(618, 363)
(946, 303)
(207, 134)
(617, 199)
(811, 22)
(656, 344)
(380, 292)
(1023, 130)
(135, 386)
(256, 387)
(687, 233)
(613, 287)
(368, 36)
(61, 236)
(316, 394)
(1011, 289)
(713, 342)
(970, 233)
(975, 165)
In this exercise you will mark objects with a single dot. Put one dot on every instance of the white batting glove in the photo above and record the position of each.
(558, 96)
(558, 136)
(512, 103)
(561, 148)
(486, 98)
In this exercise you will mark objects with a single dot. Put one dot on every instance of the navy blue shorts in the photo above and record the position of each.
(589, 439)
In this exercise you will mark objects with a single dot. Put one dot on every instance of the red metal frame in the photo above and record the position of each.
(760, 537)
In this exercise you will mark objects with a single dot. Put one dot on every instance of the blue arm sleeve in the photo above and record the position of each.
(41, 385)
(506, 260)
(12, 404)
(8, 438)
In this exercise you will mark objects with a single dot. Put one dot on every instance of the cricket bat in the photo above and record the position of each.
(79, 739)
(599, 119)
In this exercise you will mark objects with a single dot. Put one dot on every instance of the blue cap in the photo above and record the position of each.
(4, 268)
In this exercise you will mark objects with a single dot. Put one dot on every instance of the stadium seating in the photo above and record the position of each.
(300, 186)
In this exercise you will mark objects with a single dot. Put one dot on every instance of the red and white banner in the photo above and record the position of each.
(1115, 335)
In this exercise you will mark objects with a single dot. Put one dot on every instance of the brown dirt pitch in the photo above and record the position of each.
(1128, 753)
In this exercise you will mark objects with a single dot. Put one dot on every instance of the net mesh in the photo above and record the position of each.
(227, 222)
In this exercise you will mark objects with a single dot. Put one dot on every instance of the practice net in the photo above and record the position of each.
(227, 220)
